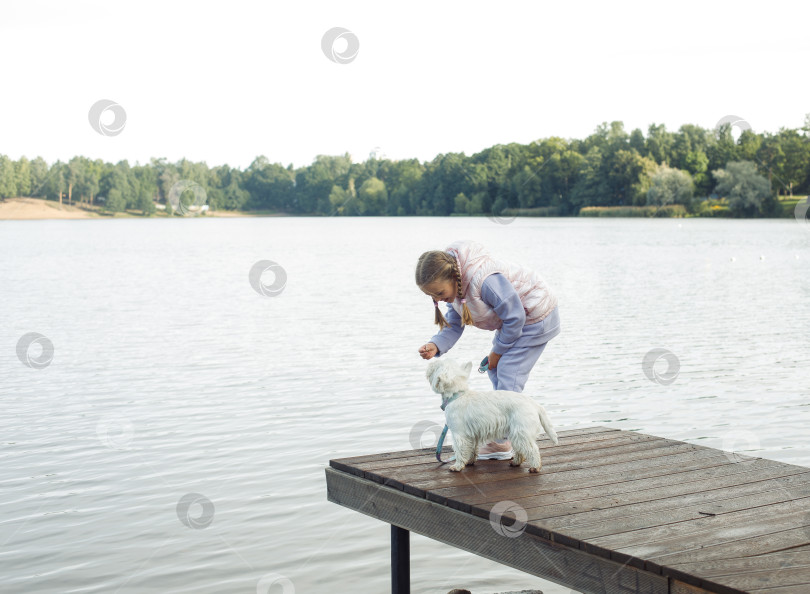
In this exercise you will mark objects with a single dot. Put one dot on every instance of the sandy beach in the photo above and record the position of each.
(37, 208)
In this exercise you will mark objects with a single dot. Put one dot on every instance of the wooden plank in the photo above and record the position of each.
(759, 580)
(644, 464)
(783, 590)
(427, 456)
(745, 547)
(548, 451)
(428, 479)
(741, 541)
(699, 466)
(634, 496)
(723, 527)
(562, 435)
(775, 560)
(588, 477)
(672, 510)
(749, 572)
(430, 470)
(570, 567)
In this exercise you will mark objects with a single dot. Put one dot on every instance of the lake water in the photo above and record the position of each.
(177, 440)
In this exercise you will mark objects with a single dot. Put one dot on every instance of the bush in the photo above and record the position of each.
(669, 210)
(713, 208)
(745, 188)
(670, 186)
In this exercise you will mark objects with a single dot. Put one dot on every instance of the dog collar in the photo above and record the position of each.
(446, 401)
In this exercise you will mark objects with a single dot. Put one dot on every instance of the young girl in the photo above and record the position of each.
(492, 295)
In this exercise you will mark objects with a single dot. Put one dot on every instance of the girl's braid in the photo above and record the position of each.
(466, 316)
(457, 272)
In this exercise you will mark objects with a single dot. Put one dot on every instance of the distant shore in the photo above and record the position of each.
(12, 209)
(38, 208)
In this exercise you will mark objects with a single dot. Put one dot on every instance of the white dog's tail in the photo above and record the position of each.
(546, 423)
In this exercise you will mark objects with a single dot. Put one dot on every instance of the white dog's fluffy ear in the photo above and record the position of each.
(447, 376)
(435, 376)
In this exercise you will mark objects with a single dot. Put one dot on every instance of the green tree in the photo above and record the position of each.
(528, 185)
(771, 158)
(115, 201)
(145, 202)
(722, 149)
(637, 141)
(744, 187)
(623, 170)
(8, 178)
(642, 186)
(313, 184)
(54, 185)
(670, 186)
(659, 143)
(372, 197)
(697, 164)
(23, 175)
(462, 204)
(39, 175)
(590, 188)
(74, 174)
(234, 197)
(86, 178)
(476, 204)
(793, 168)
(341, 201)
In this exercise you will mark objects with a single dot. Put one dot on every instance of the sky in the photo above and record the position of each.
(226, 82)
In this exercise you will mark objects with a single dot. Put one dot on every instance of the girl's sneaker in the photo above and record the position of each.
(500, 449)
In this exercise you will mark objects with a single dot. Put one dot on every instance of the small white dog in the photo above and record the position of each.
(477, 418)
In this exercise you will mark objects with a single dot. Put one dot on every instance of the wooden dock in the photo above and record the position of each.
(611, 511)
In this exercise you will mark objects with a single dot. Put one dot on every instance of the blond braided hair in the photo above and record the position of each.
(439, 266)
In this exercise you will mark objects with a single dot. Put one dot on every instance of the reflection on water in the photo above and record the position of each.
(177, 439)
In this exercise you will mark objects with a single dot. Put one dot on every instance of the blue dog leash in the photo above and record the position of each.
(484, 365)
(445, 402)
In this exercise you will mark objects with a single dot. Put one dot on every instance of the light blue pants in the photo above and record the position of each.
(514, 367)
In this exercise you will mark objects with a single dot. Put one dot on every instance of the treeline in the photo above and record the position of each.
(611, 167)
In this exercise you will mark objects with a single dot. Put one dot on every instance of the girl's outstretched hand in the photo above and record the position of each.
(428, 351)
